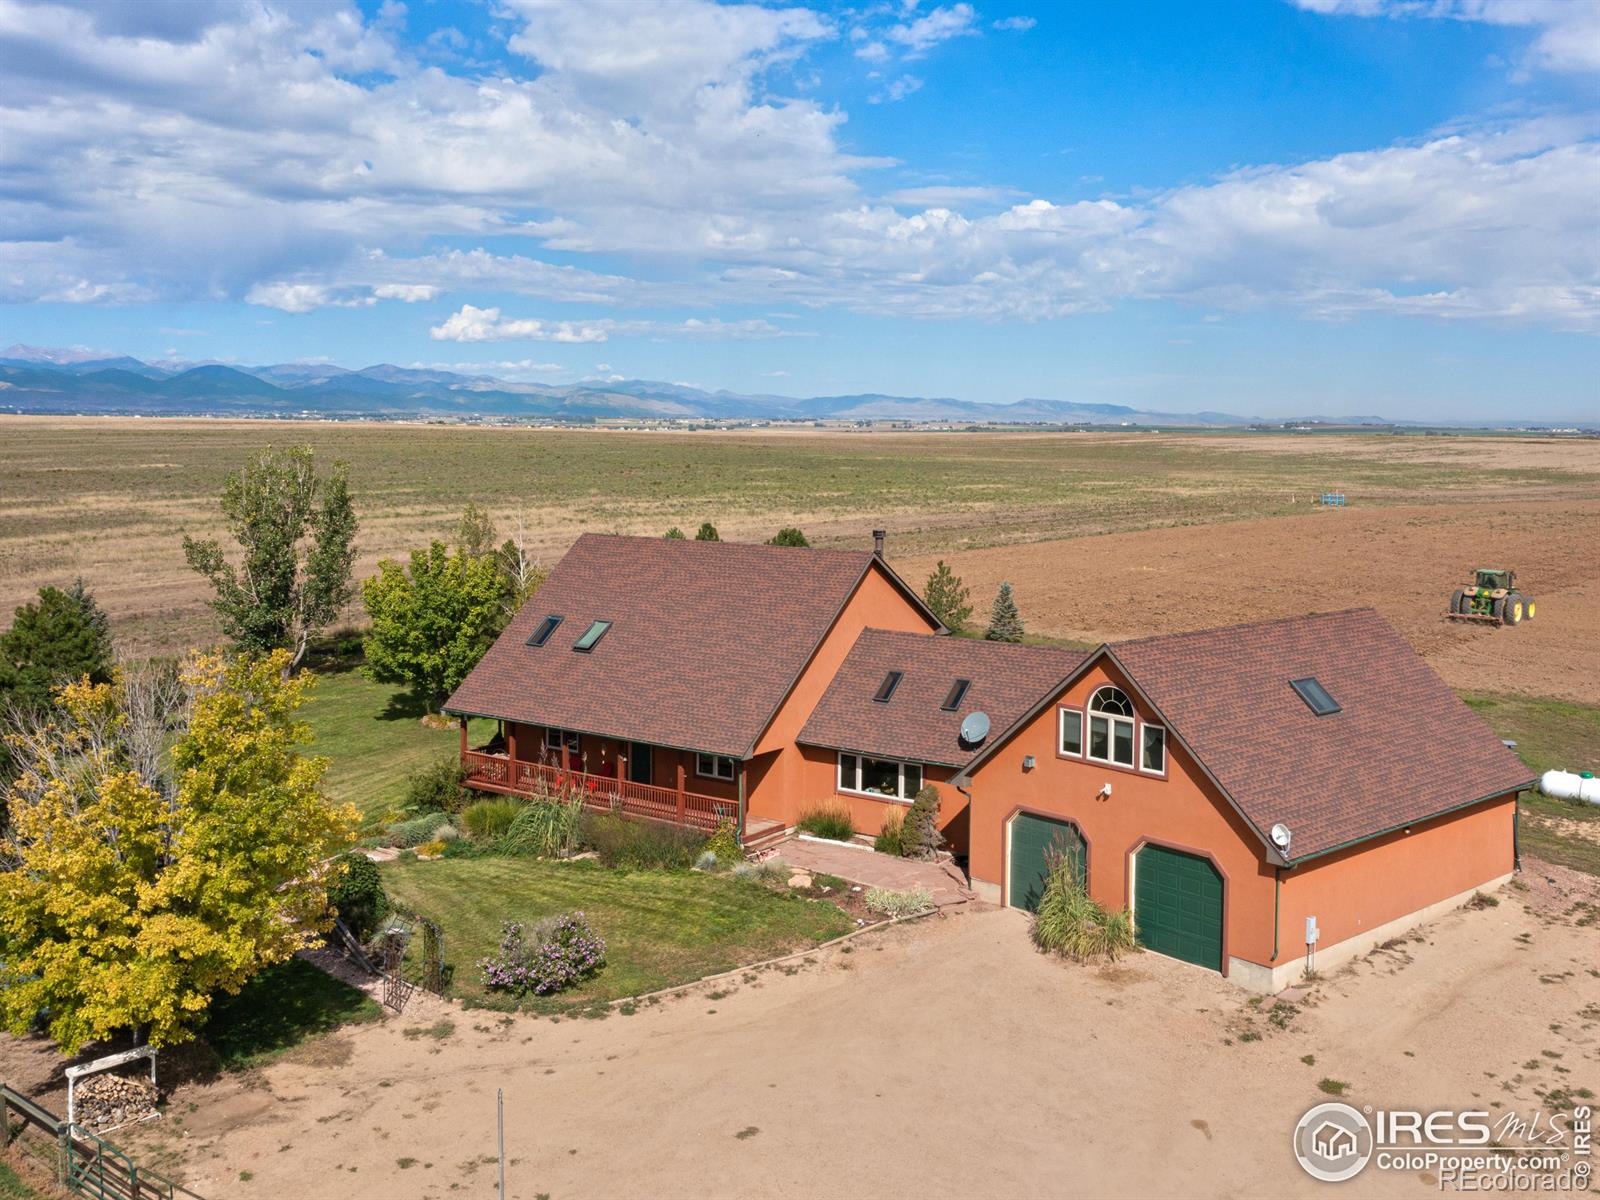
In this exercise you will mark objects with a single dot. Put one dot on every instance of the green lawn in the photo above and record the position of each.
(1550, 733)
(660, 928)
(374, 737)
(12, 1188)
(280, 1008)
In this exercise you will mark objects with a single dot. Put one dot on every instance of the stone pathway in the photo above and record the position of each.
(868, 867)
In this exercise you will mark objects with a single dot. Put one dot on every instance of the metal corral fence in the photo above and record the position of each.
(81, 1162)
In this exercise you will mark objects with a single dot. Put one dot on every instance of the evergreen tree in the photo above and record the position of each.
(788, 536)
(1005, 622)
(58, 638)
(707, 533)
(674, 534)
(948, 597)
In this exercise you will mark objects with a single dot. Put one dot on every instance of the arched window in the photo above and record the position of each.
(1111, 727)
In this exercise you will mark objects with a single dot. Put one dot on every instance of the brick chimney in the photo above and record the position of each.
(877, 541)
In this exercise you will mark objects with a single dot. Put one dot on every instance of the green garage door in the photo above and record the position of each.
(1177, 905)
(1032, 839)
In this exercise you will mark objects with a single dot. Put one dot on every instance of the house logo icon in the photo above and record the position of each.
(1333, 1142)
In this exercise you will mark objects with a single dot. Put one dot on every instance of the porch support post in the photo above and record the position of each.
(741, 803)
(566, 755)
(682, 798)
(463, 721)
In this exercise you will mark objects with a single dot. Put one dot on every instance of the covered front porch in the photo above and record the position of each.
(612, 775)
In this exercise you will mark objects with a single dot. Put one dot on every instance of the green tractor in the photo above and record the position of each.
(1493, 598)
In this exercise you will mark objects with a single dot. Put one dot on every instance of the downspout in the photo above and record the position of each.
(1277, 894)
(1516, 834)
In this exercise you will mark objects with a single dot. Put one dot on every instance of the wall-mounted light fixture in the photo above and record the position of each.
(1028, 762)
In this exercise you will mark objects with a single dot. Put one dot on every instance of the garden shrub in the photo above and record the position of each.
(490, 820)
(546, 828)
(724, 843)
(828, 819)
(891, 838)
(1073, 925)
(920, 836)
(707, 861)
(640, 845)
(429, 827)
(431, 849)
(760, 872)
(898, 904)
(357, 895)
(437, 787)
(555, 954)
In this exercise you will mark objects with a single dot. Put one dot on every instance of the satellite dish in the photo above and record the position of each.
(1280, 836)
(974, 728)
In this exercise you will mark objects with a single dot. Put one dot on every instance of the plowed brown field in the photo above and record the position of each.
(1405, 562)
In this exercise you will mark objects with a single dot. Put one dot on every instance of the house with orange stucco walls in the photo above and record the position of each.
(1264, 798)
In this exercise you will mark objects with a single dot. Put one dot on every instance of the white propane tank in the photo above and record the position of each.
(1566, 785)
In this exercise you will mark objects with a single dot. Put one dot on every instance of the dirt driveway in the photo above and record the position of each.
(942, 1058)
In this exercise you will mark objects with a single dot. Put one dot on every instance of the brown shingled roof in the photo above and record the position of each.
(707, 639)
(1402, 748)
(1006, 681)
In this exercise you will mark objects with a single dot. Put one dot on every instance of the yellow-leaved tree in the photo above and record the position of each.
(138, 880)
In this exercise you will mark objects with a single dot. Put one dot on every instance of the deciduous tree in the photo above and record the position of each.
(137, 894)
(432, 622)
(296, 536)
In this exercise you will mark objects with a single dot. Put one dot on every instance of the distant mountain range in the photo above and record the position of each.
(36, 380)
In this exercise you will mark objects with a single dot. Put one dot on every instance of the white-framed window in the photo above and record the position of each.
(714, 766)
(1153, 749)
(553, 738)
(883, 778)
(1071, 742)
(1111, 727)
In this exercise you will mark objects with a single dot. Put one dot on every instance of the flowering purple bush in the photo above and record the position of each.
(557, 953)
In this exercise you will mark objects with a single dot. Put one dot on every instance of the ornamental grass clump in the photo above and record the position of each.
(891, 838)
(1073, 925)
(429, 827)
(555, 954)
(547, 828)
(828, 819)
(490, 820)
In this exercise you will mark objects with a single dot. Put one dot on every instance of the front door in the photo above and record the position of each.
(641, 758)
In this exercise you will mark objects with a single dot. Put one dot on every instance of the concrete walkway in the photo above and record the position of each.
(871, 869)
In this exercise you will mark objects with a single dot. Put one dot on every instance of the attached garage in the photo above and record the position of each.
(1177, 905)
(1032, 838)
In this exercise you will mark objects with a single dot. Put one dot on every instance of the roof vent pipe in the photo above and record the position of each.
(877, 541)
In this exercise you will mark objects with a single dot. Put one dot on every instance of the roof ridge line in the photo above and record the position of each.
(1216, 629)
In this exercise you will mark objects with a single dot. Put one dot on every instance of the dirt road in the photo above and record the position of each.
(943, 1058)
(1403, 561)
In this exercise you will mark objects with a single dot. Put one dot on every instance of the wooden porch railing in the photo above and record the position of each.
(500, 773)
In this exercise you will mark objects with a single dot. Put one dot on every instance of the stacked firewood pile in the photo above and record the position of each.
(102, 1101)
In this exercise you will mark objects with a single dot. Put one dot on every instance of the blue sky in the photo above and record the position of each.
(1307, 206)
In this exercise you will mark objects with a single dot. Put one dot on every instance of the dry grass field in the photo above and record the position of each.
(109, 499)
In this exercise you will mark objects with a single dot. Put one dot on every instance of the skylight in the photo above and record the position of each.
(542, 634)
(958, 693)
(887, 687)
(591, 637)
(1315, 695)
